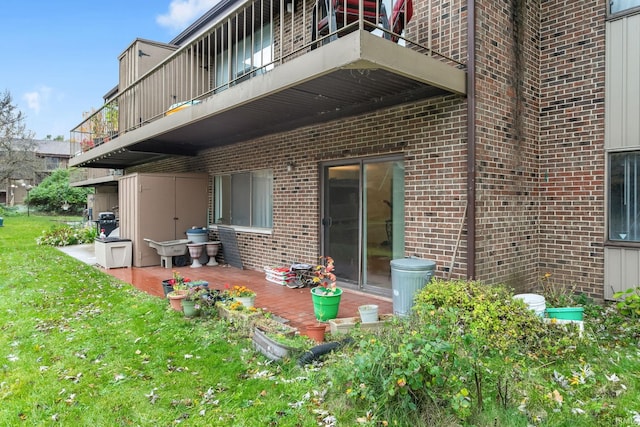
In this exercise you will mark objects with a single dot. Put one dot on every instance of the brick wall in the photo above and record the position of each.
(572, 54)
(507, 151)
(429, 135)
(540, 164)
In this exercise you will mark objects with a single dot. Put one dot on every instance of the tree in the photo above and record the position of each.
(54, 191)
(17, 147)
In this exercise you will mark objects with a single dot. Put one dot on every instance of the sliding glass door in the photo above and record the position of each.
(363, 220)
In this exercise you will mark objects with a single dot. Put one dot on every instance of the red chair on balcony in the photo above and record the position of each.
(400, 15)
(330, 16)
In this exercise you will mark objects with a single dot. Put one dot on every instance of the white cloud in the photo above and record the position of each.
(184, 12)
(36, 99)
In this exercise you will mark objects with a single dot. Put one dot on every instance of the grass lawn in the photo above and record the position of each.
(79, 347)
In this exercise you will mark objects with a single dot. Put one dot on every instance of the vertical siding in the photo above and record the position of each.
(622, 131)
(622, 96)
(622, 270)
(127, 201)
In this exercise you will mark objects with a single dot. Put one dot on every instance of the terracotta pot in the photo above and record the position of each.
(316, 331)
(175, 299)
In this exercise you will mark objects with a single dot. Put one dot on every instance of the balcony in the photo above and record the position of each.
(277, 67)
(89, 177)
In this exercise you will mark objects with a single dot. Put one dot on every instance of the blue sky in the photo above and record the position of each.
(60, 57)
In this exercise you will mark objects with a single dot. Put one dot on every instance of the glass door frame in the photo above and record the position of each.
(361, 162)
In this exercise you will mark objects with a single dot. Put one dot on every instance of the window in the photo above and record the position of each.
(52, 163)
(624, 196)
(253, 52)
(244, 199)
(622, 5)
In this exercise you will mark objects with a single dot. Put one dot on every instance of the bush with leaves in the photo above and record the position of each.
(629, 302)
(488, 312)
(66, 235)
(53, 191)
(458, 347)
(411, 367)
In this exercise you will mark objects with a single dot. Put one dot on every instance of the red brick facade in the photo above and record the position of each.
(572, 192)
(540, 155)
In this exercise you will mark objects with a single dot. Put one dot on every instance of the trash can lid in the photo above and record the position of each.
(196, 231)
(413, 264)
(111, 239)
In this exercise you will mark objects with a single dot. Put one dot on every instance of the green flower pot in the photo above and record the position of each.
(566, 313)
(325, 307)
(189, 308)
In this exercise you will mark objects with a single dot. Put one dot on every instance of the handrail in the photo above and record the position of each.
(240, 46)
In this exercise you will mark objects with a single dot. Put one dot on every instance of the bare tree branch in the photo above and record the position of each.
(17, 147)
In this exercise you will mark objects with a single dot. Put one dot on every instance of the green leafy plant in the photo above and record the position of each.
(65, 235)
(629, 305)
(196, 293)
(51, 194)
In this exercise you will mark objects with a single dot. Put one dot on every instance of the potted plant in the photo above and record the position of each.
(325, 295)
(176, 282)
(559, 301)
(193, 300)
(241, 294)
(176, 289)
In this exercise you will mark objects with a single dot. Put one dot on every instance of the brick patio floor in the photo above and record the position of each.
(292, 304)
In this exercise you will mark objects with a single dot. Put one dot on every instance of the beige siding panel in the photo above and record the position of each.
(622, 96)
(621, 271)
(160, 207)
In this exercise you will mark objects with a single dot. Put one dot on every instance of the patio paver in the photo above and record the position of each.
(292, 304)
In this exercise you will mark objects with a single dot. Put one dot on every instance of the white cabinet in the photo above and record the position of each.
(113, 253)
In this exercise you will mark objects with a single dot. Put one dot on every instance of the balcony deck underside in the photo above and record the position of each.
(355, 74)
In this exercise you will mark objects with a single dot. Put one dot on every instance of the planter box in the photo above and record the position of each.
(243, 319)
(271, 348)
(345, 324)
(269, 325)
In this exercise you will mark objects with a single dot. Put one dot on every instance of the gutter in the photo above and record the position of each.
(471, 139)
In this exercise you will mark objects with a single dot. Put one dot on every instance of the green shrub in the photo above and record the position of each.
(463, 343)
(629, 304)
(488, 312)
(65, 235)
(409, 369)
(8, 211)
